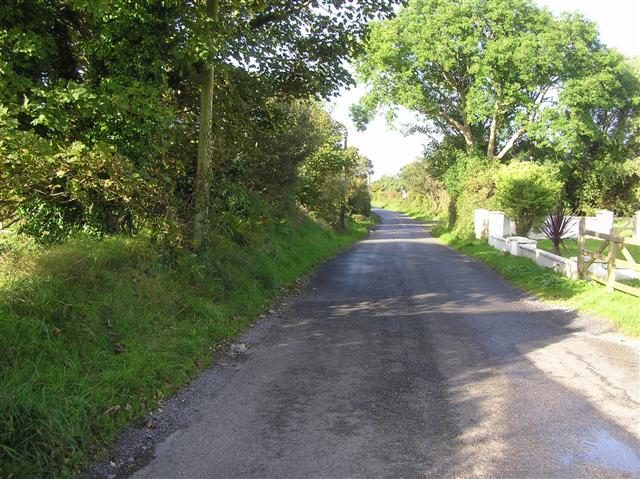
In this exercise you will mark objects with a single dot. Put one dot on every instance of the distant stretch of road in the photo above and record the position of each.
(404, 359)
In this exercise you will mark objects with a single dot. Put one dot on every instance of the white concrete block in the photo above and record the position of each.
(515, 242)
(566, 266)
(481, 223)
(499, 224)
(573, 227)
(498, 243)
(527, 251)
(602, 222)
(600, 269)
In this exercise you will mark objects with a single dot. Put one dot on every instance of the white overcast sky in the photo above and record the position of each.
(389, 150)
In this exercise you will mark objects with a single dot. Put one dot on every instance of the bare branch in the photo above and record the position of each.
(493, 132)
(510, 143)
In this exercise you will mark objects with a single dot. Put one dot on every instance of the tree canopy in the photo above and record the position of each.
(506, 80)
(100, 105)
(482, 70)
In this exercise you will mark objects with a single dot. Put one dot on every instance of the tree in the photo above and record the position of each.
(84, 116)
(385, 189)
(594, 131)
(416, 178)
(480, 70)
(298, 47)
(334, 180)
(203, 164)
(138, 84)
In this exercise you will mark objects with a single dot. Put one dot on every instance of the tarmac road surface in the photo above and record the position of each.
(404, 359)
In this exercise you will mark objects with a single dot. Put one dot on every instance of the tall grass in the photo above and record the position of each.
(95, 333)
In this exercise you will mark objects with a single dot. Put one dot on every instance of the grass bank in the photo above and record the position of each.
(620, 309)
(93, 334)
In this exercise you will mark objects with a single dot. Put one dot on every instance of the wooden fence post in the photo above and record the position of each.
(611, 261)
(581, 228)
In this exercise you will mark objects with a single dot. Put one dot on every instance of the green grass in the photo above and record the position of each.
(409, 208)
(95, 333)
(621, 309)
(570, 248)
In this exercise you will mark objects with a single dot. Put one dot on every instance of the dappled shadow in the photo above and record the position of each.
(402, 359)
(436, 350)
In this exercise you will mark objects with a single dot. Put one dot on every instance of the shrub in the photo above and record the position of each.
(556, 227)
(470, 181)
(416, 178)
(477, 193)
(527, 192)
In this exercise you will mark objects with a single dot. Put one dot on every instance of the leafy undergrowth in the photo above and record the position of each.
(95, 333)
(621, 309)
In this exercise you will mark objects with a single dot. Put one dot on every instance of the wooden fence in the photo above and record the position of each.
(612, 244)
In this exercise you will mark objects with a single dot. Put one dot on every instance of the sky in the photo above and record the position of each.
(389, 150)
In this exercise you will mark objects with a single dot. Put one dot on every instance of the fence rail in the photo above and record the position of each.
(615, 243)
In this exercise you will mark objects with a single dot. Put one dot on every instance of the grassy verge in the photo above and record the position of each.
(621, 309)
(95, 333)
(409, 208)
(570, 248)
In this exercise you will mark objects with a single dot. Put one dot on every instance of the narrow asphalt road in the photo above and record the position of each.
(405, 359)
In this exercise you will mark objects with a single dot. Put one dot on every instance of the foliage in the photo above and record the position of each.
(333, 181)
(594, 131)
(95, 334)
(556, 227)
(478, 191)
(507, 80)
(527, 192)
(416, 179)
(109, 91)
(385, 189)
(475, 69)
(453, 191)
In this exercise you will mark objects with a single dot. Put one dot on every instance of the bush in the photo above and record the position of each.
(470, 182)
(527, 192)
(477, 192)
(333, 182)
(417, 179)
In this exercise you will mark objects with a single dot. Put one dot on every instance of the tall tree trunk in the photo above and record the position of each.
(342, 221)
(493, 133)
(468, 138)
(203, 170)
(343, 200)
